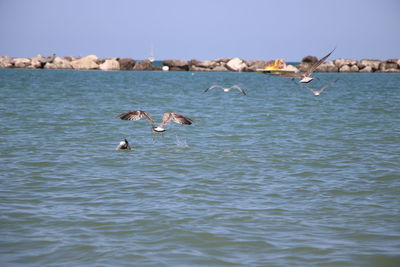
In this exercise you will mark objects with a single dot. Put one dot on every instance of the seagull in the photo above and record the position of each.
(318, 92)
(305, 77)
(123, 145)
(226, 89)
(167, 117)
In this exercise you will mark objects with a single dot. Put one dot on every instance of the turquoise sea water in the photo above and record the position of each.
(275, 178)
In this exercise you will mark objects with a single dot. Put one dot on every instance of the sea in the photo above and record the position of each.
(276, 177)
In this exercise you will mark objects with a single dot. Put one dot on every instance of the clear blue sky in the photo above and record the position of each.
(206, 29)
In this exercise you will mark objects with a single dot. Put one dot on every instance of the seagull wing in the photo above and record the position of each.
(135, 115)
(166, 118)
(328, 85)
(213, 86)
(240, 89)
(319, 62)
(309, 89)
(178, 118)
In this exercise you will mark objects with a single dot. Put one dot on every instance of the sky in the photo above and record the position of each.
(206, 29)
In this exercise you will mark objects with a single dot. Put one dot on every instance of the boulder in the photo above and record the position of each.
(126, 63)
(388, 65)
(366, 69)
(220, 68)
(327, 67)
(307, 62)
(222, 60)
(293, 68)
(204, 63)
(341, 62)
(354, 68)
(92, 57)
(195, 68)
(110, 64)
(58, 63)
(253, 65)
(38, 62)
(70, 58)
(86, 63)
(373, 63)
(236, 64)
(345, 68)
(22, 62)
(143, 65)
(391, 70)
(176, 64)
(6, 62)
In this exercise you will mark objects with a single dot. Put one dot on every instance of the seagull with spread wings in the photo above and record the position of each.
(226, 89)
(318, 92)
(305, 77)
(167, 118)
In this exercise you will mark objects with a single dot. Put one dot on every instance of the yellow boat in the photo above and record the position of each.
(276, 66)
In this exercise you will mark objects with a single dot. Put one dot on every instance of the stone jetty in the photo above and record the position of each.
(92, 62)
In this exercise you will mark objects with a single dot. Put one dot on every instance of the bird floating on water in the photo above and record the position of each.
(305, 77)
(226, 89)
(167, 117)
(123, 145)
(319, 91)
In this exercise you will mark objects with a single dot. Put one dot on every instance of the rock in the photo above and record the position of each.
(341, 62)
(293, 68)
(110, 64)
(222, 60)
(349, 68)
(69, 58)
(220, 68)
(143, 65)
(58, 63)
(176, 64)
(391, 70)
(6, 62)
(253, 65)
(86, 63)
(92, 57)
(307, 62)
(388, 65)
(366, 69)
(236, 64)
(38, 62)
(354, 68)
(327, 67)
(373, 63)
(126, 63)
(345, 68)
(195, 68)
(22, 62)
(204, 64)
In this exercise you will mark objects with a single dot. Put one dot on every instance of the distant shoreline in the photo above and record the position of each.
(92, 62)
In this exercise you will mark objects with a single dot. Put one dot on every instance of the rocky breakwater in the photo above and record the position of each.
(92, 62)
(350, 65)
(217, 65)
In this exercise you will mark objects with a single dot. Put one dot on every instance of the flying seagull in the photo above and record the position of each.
(305, 77)
(123, 145)
(226, 89)
(318, 92)
(167, 117)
